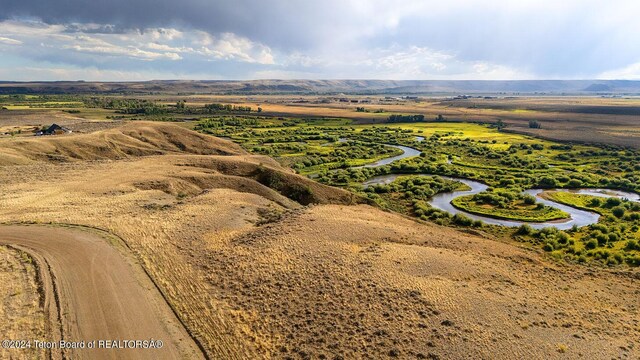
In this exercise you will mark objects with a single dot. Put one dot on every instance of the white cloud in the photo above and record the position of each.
(630, 72)
(29, 73)
(229, 46)
(148, 45)
(8, 41)
(395, 63)
(92, 45)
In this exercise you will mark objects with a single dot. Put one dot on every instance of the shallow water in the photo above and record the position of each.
(408, 152)
(442, 201)
(607, 193)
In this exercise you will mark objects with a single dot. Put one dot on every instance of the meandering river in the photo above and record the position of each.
(407, 153)
(442, 201)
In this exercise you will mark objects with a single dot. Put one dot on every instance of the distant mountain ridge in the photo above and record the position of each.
(424, 87)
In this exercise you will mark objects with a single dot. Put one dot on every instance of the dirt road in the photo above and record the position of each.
(94, 291)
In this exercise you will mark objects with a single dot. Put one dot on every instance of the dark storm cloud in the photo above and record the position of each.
(100, 29)
(487, 39)
(280, 23)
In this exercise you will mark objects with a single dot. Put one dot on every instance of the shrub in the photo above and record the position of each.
(612, 201)
(562, 237)
(547, 182)
(633, 260)
(462, 220)
(618, 258)
(548, 231)
(612, 261)
(599, 227)
(591, 244)
(595, 202)
(525, 229)
(602, 254)
(602, 239)
(575, 183)
(529, 199)
(618, 211)
(632, 245)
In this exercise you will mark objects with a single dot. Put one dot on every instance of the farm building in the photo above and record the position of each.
(54, 129)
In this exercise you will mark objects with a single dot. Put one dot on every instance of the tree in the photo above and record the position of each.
(440, 118)
(405, 118)
(534, 124)
(500, 124)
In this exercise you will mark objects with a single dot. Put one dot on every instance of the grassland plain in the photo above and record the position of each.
(561, 116)
(253, 273)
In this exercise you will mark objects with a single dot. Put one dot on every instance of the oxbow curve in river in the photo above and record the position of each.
(442, 201)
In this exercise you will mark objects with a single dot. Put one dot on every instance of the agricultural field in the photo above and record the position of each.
(584, 119)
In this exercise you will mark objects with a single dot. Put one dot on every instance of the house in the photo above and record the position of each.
(54, 129)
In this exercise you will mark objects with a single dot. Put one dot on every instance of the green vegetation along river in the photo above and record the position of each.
(443, 201)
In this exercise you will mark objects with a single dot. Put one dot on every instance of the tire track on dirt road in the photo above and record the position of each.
(93, 291)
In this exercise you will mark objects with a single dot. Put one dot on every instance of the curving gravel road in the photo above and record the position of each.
(94, 291)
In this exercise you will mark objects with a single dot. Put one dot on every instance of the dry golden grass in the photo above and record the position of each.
(20, 311)
(325, 281)
(130, 140)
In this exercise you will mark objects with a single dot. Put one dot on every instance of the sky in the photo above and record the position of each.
(116, 40)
